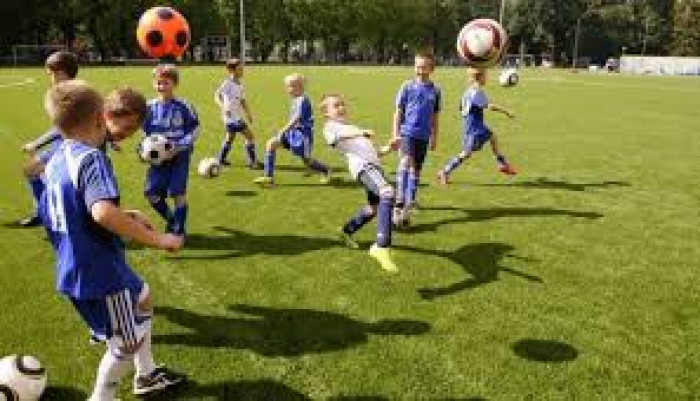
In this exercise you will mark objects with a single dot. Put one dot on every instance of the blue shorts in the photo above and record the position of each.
(116, 318)
(45, 155)
(170, 178)
(415, 149)
(297, 142)
(474, 141)
(236, 126)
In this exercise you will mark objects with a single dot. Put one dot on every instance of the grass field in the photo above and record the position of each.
(577, 279)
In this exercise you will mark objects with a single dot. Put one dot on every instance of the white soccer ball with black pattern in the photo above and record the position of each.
(156, 149)
(509, 77)
(482, 43)
(209, 167)
(22, 378)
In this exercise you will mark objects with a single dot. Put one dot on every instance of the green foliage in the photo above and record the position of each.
(686, 35)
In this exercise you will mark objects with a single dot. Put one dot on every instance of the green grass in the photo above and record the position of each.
(577, 279)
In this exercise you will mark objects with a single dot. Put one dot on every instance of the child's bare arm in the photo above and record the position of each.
(502, 110)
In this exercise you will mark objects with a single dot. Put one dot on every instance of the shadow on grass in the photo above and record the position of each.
(58, 393)
(279, 332)
(241, 194)
(545, 350)
(240, 244)
(546, 183)
(481, 261)
(250, 390)
(475, 215)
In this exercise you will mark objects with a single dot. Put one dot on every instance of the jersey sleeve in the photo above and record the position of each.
(148, 127)
(190, 125)
(46, 138)
(478, 98)
(96, 179)
(402, 97)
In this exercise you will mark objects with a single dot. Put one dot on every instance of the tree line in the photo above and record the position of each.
(367, 30)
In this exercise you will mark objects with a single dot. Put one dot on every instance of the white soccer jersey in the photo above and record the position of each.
(231, 94)
(359, 150)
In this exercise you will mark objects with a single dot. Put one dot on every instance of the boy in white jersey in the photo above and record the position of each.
(230, 97)
(365, 167)
(80, 211)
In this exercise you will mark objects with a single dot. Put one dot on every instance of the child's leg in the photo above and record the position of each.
(402, 176)
(112, 369)
(225, 148)
(455, 162)
(32, 173)
(503, 165)
(250, 148)
(316, 165)
(384, 217)
(180, 215)
(177, 188)
(364, 216)
(420, 149)
(270, 148)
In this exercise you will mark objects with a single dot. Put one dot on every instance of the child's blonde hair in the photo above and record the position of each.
(294, 78)
(475, 73)
(323, 104)
(73, 104)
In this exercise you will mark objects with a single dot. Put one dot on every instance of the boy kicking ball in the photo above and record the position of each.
(365, 167)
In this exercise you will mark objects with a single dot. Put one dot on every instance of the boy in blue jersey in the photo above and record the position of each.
(415, 129)
(230, 97)
(476, 132)
(80, 211)
(297, 135)
(364, 165)
(60, 66)
(176, 120)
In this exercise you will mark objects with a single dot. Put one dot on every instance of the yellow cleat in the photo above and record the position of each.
(383, 256)
(264, 181)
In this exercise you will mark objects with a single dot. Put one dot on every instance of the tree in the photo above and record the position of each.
(686, 37)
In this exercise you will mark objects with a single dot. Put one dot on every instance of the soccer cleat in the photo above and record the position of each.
(160, 379)
(383, 256)
(347, 238)
(31, 221)
(443, 178)
(264, 181)
(225, 162)
(507, 169)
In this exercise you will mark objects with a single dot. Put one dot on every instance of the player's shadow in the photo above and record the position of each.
(545, 350)
(59, 393)
(546, 183)
(279, 332)
(335, 182)
(483, 263)
(241, 194)
(476, 215)
(240, 243)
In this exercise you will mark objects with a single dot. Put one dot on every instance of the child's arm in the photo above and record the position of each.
(500, 109)
(190, 128)
(290, 124)
(434, 125)
(396, 128)
(111, 217)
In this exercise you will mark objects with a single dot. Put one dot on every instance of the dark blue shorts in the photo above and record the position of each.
(415, 149)
(115, 318)
(473, 142)
(170, 178)
(237, 126)
(297, 142)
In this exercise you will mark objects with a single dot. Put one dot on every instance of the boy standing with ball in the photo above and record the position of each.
(81, 213)
(177, 120)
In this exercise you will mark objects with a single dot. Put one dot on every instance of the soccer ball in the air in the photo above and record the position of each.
(163, 33)
(482, 43)
(156, 149)
(22, 378)
(209, 167)
(509, 77)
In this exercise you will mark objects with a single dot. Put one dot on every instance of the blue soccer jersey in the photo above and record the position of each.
(90, 259)
(474, 101)
(301, 109)
(175, 119)
(417, 103)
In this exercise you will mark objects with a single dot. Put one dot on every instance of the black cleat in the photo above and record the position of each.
(160, 379)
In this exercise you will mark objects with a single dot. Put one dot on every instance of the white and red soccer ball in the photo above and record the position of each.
(482, 43)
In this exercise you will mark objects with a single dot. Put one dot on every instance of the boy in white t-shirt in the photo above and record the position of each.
(365, 167)
(230, 97)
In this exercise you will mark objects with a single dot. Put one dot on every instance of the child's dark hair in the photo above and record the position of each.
(63, 61)
(124, 102)
(232, 63)
(427, 54)
(168, 71)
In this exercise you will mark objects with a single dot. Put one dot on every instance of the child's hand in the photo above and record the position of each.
(171, 242)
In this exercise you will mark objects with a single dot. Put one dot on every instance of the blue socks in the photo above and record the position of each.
(384, 222)
(250, 152)
(316, 165)
(223, 153)
(412, 188)
(179, 220)
(269, 163)
(363, 217)
(161, 206)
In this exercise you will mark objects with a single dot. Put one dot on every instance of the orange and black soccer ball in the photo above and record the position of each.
(163, 33)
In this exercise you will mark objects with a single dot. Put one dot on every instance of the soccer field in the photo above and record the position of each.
(576, 279)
